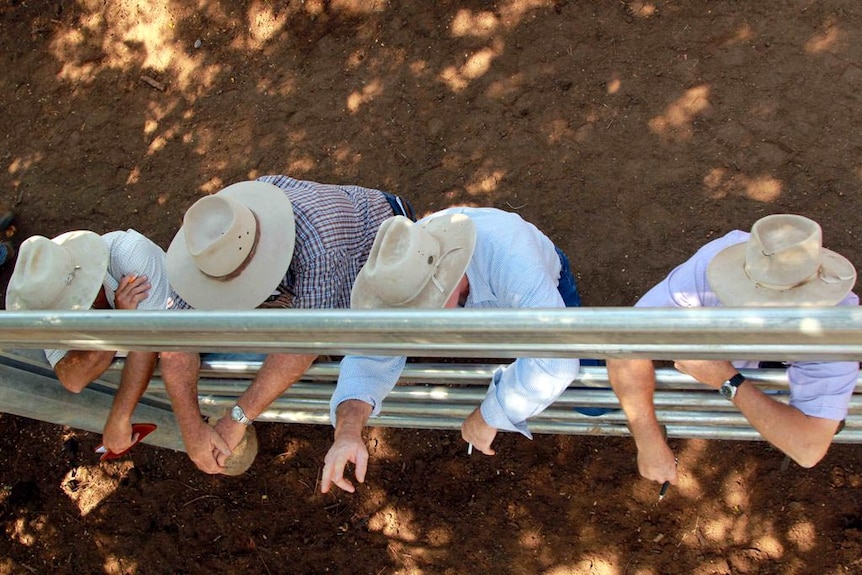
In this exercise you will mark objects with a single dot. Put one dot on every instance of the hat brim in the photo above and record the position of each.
(727, 278)
(263, 273)
(90, 255)
(456, 234)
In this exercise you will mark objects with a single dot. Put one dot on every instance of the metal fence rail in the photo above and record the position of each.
(438, 395)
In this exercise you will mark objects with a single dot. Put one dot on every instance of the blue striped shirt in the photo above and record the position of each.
(335, 228)
(514, 266)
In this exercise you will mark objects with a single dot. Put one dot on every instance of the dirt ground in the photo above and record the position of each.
(631, 132)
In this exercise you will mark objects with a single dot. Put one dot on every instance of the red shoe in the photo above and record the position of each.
(139, 432)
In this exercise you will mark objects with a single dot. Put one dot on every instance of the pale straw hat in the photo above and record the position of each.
(65, 273)
(783, 263)
(415, 264)
(233, 248)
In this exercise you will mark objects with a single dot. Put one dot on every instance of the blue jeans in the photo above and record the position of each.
(400, 206)
(567, 286)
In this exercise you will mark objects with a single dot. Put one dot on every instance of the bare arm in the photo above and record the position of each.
(804, 438)
(633, 381)
(278, 372)
(351, 417)
(80, 367)
(136, 376)
(180, 374)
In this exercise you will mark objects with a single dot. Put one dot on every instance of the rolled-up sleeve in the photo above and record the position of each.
(525, 388)
(366, 378)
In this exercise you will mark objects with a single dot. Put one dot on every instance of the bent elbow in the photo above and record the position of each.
(75, 385)
(811, 456)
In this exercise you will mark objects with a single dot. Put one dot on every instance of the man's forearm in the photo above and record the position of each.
(133, 382)
(351, 417)
(80, 367)
(180, 374)
(278, 372)
(633, 382)
(805, 439)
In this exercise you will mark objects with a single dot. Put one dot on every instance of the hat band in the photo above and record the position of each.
(244, 264)
(782, 287)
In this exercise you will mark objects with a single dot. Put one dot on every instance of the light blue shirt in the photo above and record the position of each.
(513, 266)
(817, 388)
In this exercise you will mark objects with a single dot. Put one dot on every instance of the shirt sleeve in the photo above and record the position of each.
(525, 388)
(55, 355)
(366, 378)
(823, 389)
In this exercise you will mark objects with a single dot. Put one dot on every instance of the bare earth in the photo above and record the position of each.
(630, 131)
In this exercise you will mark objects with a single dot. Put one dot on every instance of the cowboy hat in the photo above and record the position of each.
(64, 273)
(783, 263)
(233, 248)
(415, 264)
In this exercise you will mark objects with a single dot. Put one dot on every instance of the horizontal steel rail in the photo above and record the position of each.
(438, 395)
(699, 333)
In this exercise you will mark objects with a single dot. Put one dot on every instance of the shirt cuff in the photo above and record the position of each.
(494, 414)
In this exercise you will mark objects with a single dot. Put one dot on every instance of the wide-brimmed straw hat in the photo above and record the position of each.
(415, 264)
(64, 273)
(783, 263)
(233, 248)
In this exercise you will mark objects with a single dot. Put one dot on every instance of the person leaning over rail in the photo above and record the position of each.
(780, 263)
(276, 242)
(459, 257)
(79, 270)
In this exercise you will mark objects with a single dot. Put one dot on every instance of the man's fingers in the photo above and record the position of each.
(361, 467)
(333, 472)
(345, 484)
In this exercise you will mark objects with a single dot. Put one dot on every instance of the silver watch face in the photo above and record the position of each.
(237, 414)
(728, 390)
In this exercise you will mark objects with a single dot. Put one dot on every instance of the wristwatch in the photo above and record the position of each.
(238, 415)
(731, 386)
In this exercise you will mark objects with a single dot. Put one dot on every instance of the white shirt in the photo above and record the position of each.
(130, 253)
(513, 266)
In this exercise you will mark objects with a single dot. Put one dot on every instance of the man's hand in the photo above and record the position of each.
(346, 448)
(709, 372)
(131, 291)
(232, 433)
(117, 435)
(657, 462)
(202, 443)
(350, 418)
(475, 431)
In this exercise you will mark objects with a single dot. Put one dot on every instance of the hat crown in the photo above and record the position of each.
(783, 251)
(40, 274)
(403, 259)
(220, 234)
(63, 273)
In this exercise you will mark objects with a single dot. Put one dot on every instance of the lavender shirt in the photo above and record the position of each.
(817, 388)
